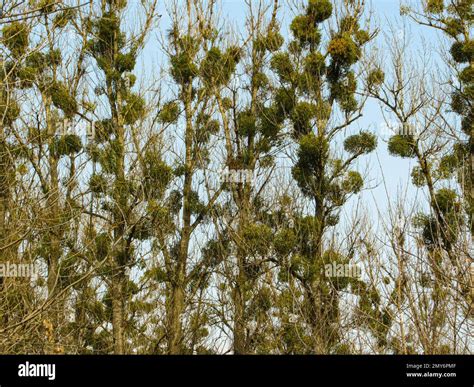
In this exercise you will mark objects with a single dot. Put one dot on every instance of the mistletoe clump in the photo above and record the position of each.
(157, 175)
(98, 184)
(109, 157)
(463, 52)
(315, 64)
(319, 10)
(26, 76)
(107, 32)
(218, 67)
(435, 6)
(447, 166)
(196, 206)
(125, 62)
(362, 143)
(301, 116)
(447, 200)
(247, 123)
(257, 237)
(53, 57)
(284, 101)
(62, 19)
(467, 75)
(441, 232)
(353, 182)
(467, 123)
(418, 177)
(134, 109)
(312, 154)
(375, 78)
(62, 99)
(206, 127)
(104, 129)
(183, 69)
(283, 66)
(68, 144)
(45, 6)
(143, 229)
(344, 50)
(9, 111)
(459, 103)
(273, 40)
(348, 24)
(37, 60)
(402, 145)
(34, 66)
(436, 236)
(169, 113)
(15, 36)
(362, 37)
(270, 122)
(453, 27)
(285, 241)
(343, 91)
(215, 250)
(305, 31)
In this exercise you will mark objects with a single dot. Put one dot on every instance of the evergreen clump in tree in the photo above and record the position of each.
(15, 36)
(402, 145)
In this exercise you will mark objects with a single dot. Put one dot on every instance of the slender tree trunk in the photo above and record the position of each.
(120, 257)
(54, 212)
(177, 304)
(240, 320)
(117, 313)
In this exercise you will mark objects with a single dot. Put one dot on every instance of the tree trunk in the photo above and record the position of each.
(177, 304)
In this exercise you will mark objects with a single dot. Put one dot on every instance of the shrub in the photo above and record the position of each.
(361, 143)
(62, 99)
(402, 145)
(344, 50)
(67, 145)
(16, 37)
(375, 78)
(98, 184)
(463, 52)
(353, 182)
(319, 10)
(435, 6)
(169, 113)
(305, 31)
